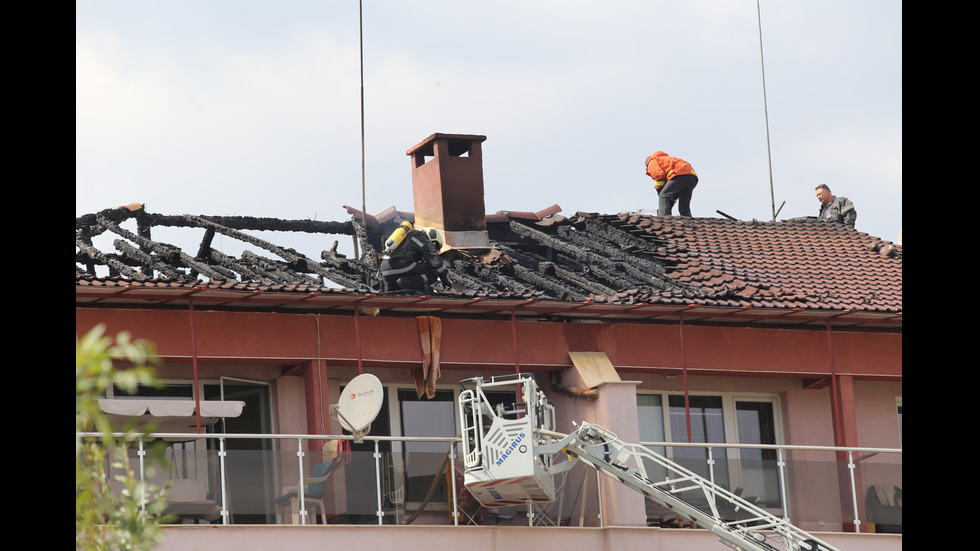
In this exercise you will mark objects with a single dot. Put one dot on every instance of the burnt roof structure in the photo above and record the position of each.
(625, 260)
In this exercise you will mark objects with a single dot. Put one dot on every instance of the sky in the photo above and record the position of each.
(254, 108)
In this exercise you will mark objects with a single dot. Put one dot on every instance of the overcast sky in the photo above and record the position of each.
(242, 107)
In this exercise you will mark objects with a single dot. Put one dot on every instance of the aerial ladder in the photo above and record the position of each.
(509, 458)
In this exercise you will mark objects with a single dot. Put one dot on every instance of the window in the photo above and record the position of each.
(707, 425)
(717, 419)
(425, 417)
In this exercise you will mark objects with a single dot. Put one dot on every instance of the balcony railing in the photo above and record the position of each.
(295, 478)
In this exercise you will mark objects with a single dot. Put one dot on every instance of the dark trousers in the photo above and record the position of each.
(678, 189)
(410, 276)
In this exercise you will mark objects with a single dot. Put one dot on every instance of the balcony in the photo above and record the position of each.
(246, 488)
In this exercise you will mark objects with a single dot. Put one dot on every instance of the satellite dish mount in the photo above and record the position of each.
(359, 405)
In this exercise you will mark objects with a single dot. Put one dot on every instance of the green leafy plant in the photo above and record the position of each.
(114, 508)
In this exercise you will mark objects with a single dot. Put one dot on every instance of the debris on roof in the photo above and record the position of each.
(626, 258)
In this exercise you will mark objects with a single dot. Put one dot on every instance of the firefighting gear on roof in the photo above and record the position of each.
(413, 262)
(398, 236)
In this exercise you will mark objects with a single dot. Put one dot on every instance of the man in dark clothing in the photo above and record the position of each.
(835, 209)
(415, 264)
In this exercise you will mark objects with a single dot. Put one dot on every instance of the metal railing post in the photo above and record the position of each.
(852, 466)
(300, 487)
(711, 465)
(598, 487)
(452, 470)
(224, 487)
(377, 468)
(141, 453)
(781, 463)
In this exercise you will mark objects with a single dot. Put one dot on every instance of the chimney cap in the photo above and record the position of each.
(427, 143)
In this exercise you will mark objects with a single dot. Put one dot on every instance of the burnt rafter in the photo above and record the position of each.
(586, 248)
(88, 254)
(146, 261)
(295, 265)
(552, 288)
(559, 245)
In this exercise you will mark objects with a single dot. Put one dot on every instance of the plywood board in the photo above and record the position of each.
(594, 368)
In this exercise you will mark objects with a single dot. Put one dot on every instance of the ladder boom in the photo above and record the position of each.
(627, 463)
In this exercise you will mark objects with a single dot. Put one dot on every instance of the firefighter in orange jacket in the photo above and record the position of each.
(674, 180)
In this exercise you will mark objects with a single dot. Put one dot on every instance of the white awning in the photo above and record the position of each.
(170, 408)
(170, 415)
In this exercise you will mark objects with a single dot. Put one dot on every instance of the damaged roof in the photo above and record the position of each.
(625, 259)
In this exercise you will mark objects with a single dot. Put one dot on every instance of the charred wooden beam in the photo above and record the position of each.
(148, 264)
(243, 270)
(354, 272)
(551, 288)
(272, 270)
(277, 224)
(167, 254)
(583, 282)
(370, 254)
(559, 245)
(234, 222)
(462, 275)
(94, 256)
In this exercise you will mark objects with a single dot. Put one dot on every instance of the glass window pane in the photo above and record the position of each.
(651, 414)
(707, 425)
(426, 417)
(760, 475)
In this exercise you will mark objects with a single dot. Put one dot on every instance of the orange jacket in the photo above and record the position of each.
(662, 167)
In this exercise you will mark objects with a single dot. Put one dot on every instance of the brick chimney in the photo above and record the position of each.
(447, 182)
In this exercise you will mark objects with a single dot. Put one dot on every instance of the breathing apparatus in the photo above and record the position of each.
(397, 236)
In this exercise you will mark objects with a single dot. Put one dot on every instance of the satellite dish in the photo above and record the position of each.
(360, 404)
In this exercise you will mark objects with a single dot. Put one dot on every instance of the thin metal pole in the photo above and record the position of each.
(301, 488)
(452, 471)
(598, 487)
(687, 396)
(224, 486)
(197, 393)
(377, 467)
(711, 464)
(781, 463)
(357, 337)
(765, 106)
(142, 453)
(854, 497)
(360, 14)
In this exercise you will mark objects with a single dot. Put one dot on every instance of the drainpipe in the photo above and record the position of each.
(319, 375)
(357, 337)
(197, 395)
(513, 330)
(834, 392)
(687, 403)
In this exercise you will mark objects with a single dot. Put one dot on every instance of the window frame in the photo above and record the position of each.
(729, 401)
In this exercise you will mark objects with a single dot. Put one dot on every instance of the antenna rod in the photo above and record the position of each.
(765, 107)
(360, 15)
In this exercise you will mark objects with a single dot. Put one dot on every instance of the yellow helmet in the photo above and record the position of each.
(434, 237)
